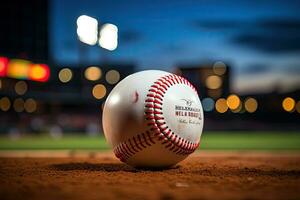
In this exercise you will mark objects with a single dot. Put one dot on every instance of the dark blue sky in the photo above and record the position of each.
(260, 39)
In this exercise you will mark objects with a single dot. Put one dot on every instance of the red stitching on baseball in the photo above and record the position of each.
(145, 139)
(129, 149)
(141, 142)
(136, 144)
(157, 125)
(126, 149)
(167, 135)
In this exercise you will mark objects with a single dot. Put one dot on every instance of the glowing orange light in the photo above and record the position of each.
(288, 104)
(65, 75)
(298, 106)
(30, 105)
(3, 66)
(24, 69)
(213, 82)
(19, 105)
(99, 91)
(39, 72)
(93, 73)
(21, 87)
(221, 105)
(233, 101)
(251, 105)
(5, 104)
(18, 68)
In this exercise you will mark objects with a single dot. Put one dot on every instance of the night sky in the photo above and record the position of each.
(259, 39)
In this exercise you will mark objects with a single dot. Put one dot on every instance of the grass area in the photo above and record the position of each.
(251, 141)
(210, 141)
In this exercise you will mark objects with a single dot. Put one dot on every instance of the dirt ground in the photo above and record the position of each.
(204, 175)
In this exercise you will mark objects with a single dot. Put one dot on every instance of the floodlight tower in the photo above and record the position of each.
(87, 32)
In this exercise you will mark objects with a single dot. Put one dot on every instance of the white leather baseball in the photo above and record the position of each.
(153, 119)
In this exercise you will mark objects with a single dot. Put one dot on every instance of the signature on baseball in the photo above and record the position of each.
(188, 102)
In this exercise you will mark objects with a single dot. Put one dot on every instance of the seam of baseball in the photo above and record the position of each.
(131, 146)
(155, 121)
(154, 115)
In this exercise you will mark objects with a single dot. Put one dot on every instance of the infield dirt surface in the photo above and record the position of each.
(204, 175)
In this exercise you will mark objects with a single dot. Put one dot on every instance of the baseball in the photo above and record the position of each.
(153, 119)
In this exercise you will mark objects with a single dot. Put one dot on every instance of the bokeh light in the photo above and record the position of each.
(5, 104)
(251, 105)
(65, 75)
(19, 105)
(99, 91)
(18, 68)
(288, 104)
(208, 104)
(39, 72)
(87, 29)
(21, 87)
(221, 105)
(30, 105)
(233, 101)
(108, 37)
(112, 76)
(219, 68)
(238, 109)
(213, 82)
(298, 107)
(93, 73)
(3, 66)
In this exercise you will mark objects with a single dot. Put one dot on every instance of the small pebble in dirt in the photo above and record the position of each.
(250, 179)
(182, 185)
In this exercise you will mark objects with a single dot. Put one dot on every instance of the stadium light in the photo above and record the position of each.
(251, 105)
(288, 104)
(108, 37)
(3, 66)
(18, 68)
(19, 105)
(99, 91)
(233, 102)
(93, 73)
(219, 68)
(65, 75)
(298, 106)
(25, 69)
(213, 82)
(39, 72)
(208, 104)
(87, 29)
(112, 76)
(221, 105)
(21, 87)
(30, 105)
(5, 104)
(239, 109)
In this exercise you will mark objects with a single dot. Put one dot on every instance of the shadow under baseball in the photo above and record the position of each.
(85, 166)
(107, 167)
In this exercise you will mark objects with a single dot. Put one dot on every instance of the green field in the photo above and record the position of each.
(209, 141)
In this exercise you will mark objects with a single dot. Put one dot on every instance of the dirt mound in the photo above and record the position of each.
(202, 176)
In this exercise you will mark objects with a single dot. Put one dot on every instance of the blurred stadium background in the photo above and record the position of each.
(60, 59)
